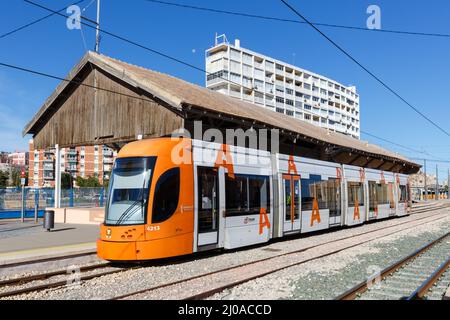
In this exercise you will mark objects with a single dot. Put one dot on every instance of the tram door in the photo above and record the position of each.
(210, 203)
(291, 202)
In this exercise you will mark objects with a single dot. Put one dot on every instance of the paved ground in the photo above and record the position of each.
(29, 240)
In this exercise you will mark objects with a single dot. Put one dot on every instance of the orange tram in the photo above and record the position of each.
(176, 196)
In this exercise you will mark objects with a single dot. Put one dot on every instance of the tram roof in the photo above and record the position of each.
(179, 95)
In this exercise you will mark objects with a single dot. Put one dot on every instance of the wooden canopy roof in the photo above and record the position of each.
(86, 110)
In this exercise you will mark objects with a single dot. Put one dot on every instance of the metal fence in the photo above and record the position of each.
(11, 199)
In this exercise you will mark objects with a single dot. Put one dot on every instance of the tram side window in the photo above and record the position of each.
(166, 195)
(246, 195)
(312, 188)
(334, 197)
(391, 196)
(208, 199)
(403, 194)
(355, 193)
(373, 195)
(383, 193)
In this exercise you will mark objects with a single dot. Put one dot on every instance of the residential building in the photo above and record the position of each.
(83, 161)
(18, 159)
(282, 87)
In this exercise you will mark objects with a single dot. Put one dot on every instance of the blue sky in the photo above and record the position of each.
(417, 67)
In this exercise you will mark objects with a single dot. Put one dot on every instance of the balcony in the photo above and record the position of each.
(107, 153)
(236, 94)
(108, 160)
(49, 176)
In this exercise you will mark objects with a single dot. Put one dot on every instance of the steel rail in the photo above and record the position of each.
(208, 293)
(422, 291)
(87, 268)
(352, 293)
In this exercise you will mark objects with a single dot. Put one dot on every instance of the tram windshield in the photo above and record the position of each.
(129, 191)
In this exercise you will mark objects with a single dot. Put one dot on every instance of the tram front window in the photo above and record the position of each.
(129, 190)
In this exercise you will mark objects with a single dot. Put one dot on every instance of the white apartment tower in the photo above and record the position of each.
(282, 87)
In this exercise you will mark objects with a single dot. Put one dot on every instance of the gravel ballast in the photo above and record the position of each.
(142, 278)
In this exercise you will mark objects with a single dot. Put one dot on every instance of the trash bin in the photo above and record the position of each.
(49, 220)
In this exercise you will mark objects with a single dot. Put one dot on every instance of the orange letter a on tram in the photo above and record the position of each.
(315, 215)
(263, 220)
(227, 163)
(292, 169)
(356, 212)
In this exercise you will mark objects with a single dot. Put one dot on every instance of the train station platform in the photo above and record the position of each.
(29, 241)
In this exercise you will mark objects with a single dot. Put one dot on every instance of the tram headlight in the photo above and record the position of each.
(108, 233)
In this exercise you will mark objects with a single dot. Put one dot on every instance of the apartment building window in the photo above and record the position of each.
(234, 77)
(235, 54)
(235, 67)
(307, 97)
(247, 58)
(247, 82)
(279, 99)
(323, 91)
(219, 74)
(307, 116)
(315, 99)
(289, 102)
(259, 74)
(279, 110)
(269, 65)
(289, 91)
(280, 89)
(279, 67)
(298, 94)
(307, 107)
(307, 86)
(290, 113)
(259, 85)
(247, 70)
(306, 76)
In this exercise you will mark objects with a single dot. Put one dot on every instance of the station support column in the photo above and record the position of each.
(57, 177)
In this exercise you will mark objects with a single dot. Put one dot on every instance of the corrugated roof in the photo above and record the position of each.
(178, 93)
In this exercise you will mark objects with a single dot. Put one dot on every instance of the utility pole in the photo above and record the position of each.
(425, 180)
(97, 33)
(437, 184)
(448, 183)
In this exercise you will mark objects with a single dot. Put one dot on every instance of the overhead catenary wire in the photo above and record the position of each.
(134, 43)
(256, 16)
(35, 21)
(122, 38)
(47, 75)
(378, 79)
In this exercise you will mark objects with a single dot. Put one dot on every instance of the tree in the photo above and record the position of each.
(3, 179)
(90, 182)
(16, 175)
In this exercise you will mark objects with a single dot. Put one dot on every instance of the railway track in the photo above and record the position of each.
(227, 278)
(19, 285)
(409, 278)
